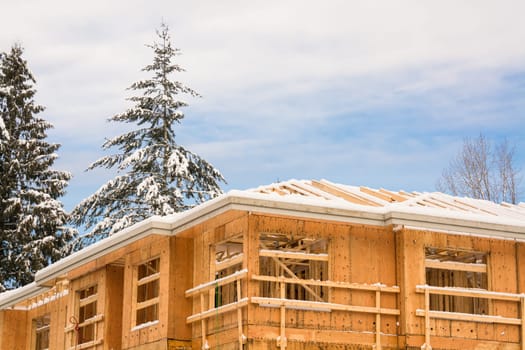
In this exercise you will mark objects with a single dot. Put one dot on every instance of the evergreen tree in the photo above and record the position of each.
(32, 219)
(155, 175)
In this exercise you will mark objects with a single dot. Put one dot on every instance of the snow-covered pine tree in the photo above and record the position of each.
(155, 175)
(32, 218)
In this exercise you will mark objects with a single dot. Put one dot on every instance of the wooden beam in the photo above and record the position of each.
(221, 265)
(88, 300)
(239, 316)
(320, 306)
(467, 292)
(87, 345)
(94, 319)
(217, 311)
(338, 192)
(282, 335)
(147, 303)
(293, 255)
(215, 283)
(427, 319)
(378, 321)
(458, 316)
(376, 194)
(522, 315)
(331, 284)
(148, 279)
(203, 322)
(397, 197)
(455, 266)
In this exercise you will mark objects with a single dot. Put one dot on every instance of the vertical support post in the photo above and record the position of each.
(378, 319)
(282, 336)
(239, 315)
(522, 314)
(203, 324)
(427, 345)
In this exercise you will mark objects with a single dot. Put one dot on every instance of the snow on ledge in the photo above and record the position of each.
(144, 325)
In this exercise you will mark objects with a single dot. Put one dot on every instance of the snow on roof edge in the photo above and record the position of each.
(14, 296)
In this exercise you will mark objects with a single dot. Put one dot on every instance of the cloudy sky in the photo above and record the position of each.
(375, 93)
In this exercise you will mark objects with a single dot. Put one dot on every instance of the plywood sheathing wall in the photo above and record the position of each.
(503, 263)
(180, 279)
(96, 278)
(357, 253)
(152, 247)
(57, 308)
(14, 330)
(114, 303)
(220, 330)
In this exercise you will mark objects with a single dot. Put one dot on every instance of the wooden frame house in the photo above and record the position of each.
(296, 265)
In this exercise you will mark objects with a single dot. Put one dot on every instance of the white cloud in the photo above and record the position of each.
(275, 75)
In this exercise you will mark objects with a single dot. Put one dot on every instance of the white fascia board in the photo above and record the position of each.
(13, 297)
(306, 207)
(456, 223)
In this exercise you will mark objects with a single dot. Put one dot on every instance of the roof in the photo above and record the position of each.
(326, 190)
(321, 199)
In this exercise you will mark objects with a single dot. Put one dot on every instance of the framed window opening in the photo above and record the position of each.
(460, 269)
(294, 256)
(147, 292)
(228, 260)
(41, 328)
(87, 312)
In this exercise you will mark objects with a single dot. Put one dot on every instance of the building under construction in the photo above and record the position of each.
(296, 265)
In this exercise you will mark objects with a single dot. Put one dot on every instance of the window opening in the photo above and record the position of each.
(41, 327)
(228, 260)
(148, 285)
(87, 309)
(293, 256)
(460, 269)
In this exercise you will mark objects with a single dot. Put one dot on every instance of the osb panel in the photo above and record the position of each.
(411, 272)
(212, 232)
(112, 256)
(57, 309)
(98, 278)
(520, 263)
(294, 345)
(502, 273)
(181, 263)
(372, 256)
(212, 223)
(311, 337)
(163, 344)
(503, 278)
(446, 343)
(13, 331)
(114, 304)
(160, 247)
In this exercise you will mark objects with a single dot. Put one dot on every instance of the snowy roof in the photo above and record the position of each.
(436, 202)
(322, 200)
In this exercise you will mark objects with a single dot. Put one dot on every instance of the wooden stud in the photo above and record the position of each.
(299, 280)
(203, 322)
(282, 336)
(239, 315)
(378, 320)
(427, 320)
(522, 315)
(455, 266)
